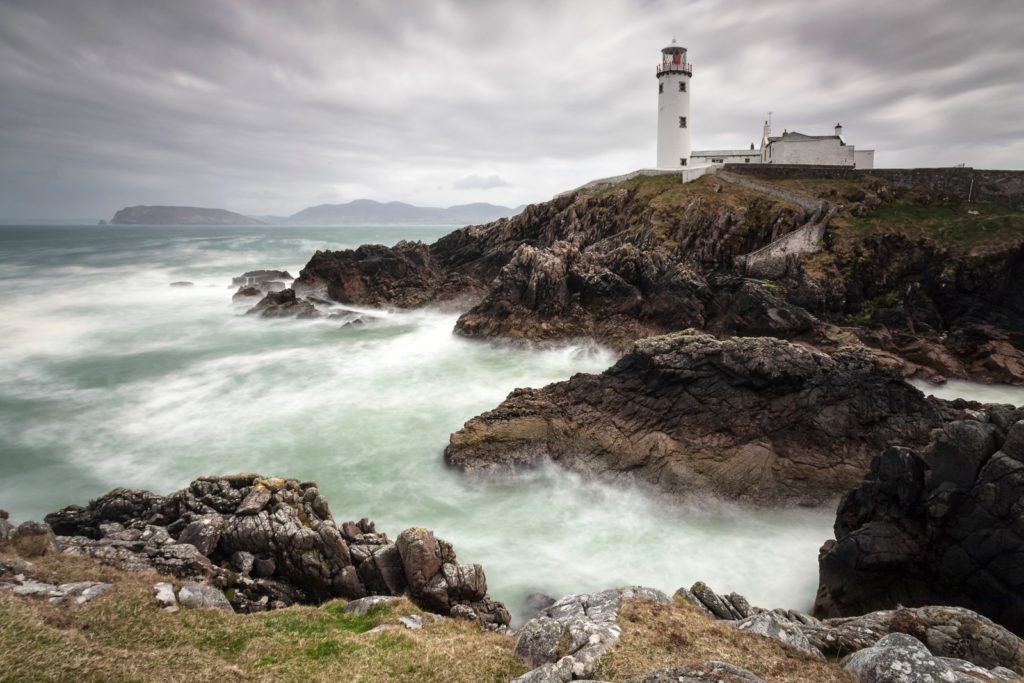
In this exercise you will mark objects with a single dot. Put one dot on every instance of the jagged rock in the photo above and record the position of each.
(33, 539)
(771, 625)
(751, 418)
(273, 542)
(712, 601)
(953, 632)
(566, 640)
(284, 304)
(203, 533)
(713, 671)
(562, 292)
(202, 596)
(259, 277)
(942, 525)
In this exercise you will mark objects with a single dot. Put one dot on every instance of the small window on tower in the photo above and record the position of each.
(682, 122)
(661, 88)
(682, 162)
(747, 160)
(682, 86)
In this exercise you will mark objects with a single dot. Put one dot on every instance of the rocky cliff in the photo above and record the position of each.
(926, 280)
(749, 418)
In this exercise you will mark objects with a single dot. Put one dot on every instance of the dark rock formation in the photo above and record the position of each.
(750, 418)
(179, 215)
(561, 292)
(941, 525)
(284, 304)
(260, 277)
(271, 542)
(247, 292)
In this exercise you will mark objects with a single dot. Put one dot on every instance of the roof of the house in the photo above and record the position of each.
(800, 137)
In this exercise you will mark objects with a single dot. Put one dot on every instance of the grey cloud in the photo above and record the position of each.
(265, 107)
(479, 182)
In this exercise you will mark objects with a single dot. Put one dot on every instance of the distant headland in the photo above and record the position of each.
(359, 211)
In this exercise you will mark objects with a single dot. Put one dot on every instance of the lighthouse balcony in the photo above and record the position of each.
(671, 68)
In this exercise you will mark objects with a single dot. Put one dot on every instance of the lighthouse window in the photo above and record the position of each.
(661, 88)
(682, 162)
(682, 122)
(682, 86)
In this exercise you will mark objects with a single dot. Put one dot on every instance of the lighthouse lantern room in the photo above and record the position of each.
(674, 107)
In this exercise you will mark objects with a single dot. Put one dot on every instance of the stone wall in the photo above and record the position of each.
(963, 183)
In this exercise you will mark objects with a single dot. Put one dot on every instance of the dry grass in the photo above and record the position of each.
(660, 636)
(124, 636)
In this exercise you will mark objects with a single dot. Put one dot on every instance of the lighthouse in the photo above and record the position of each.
(674, 108)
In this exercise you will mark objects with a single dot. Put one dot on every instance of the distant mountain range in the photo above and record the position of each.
(358, 212)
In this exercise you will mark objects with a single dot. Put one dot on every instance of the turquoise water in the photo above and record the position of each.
(110, 377)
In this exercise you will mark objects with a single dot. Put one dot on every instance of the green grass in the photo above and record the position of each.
(124, 636)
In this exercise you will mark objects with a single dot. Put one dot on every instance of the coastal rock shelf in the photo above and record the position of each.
(271, 542)
(749, 418)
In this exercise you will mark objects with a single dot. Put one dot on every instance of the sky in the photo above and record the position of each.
(266, 107)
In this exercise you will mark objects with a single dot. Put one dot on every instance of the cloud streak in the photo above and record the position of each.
(266, 107)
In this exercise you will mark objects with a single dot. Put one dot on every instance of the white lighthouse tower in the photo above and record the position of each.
(674, 108)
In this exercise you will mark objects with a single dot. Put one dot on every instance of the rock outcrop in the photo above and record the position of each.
(270, 542)
(565, 641)
(939, 525)
(283, 304)
(747, 418)
(650, 256)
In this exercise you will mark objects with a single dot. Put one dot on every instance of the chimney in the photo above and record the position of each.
(839, 130)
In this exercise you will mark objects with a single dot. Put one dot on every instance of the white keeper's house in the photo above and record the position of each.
(674, 123)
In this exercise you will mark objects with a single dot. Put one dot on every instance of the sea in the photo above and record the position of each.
(109, 377)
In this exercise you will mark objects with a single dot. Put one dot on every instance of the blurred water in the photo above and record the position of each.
(110, 377)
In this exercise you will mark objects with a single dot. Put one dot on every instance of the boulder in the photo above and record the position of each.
(164, 593)
(202, 596)
(709, 672)
(938, 525)
(363, 605)
(33, 539)
(757, 419)
(566, 640)
(247, 292)
(204, 533)
(771, 625)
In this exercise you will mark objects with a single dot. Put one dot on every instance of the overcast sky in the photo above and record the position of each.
(268, 107)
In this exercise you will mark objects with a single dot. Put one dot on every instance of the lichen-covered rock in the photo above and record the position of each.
(202, 596)
(273, 542)
(898, 658)
(941, 525)
(566, 640)
(771, 625)
(748, 418)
